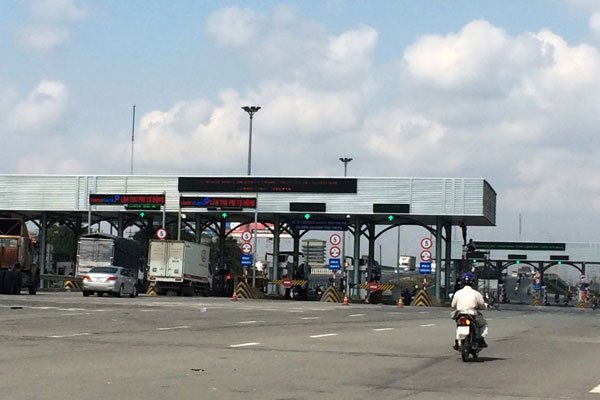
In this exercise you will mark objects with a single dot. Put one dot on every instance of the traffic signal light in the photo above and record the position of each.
(559, 262)
(518, 262)
(142, 214)
(224, 215)
(307, 216)
(390, 218)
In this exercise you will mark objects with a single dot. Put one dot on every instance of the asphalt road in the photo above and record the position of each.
(63, 346)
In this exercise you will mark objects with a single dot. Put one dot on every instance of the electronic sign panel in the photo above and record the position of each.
(123, 199)
(267, 185)
(217, 202)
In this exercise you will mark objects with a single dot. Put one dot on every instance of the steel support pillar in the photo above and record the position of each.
(438, 258)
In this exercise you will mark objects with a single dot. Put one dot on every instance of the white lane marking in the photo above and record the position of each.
(426, 325)
(324, 335)
(356, 315)
(71, 335)
(310, 318)
(244, 344)
(77, 313)
(295, 311)
(249, 322)
(596, 389)
(172, 327)
(383, 329)
(424, 312)
(71, 309)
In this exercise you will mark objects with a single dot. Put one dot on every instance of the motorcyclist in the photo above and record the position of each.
(469, 299)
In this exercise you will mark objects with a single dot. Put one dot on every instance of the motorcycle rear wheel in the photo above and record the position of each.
(465, 348)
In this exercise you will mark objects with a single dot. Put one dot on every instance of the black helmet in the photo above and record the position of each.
(468, 279)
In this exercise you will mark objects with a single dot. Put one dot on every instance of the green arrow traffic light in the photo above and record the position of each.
(390, 218)
(307, 216)
(224, 215)
(142, 214)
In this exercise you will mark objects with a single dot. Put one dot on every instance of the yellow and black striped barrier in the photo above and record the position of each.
(245, 291)
(152, 289)
(381, 286)
(580, 304)
(422, 299)
(536, 301)
(73, 285)
(295, 282)
(331, 295)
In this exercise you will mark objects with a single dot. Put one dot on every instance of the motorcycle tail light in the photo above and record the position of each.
(463, 321)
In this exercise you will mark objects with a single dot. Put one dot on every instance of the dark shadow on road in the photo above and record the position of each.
(486, 359)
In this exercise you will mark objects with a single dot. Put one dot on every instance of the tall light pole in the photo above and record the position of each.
(251, 110)
(132, 139)
(345, 160)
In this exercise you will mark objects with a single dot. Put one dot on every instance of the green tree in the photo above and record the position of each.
(63, 241)
(231, 257)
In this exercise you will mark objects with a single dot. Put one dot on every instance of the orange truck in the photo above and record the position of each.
(18, 254)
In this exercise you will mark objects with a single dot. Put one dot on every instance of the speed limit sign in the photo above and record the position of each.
(246, 236)
(161, 233)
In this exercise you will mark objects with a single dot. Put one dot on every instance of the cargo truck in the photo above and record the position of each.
(104, 250)
(179, 266)
(18, 253)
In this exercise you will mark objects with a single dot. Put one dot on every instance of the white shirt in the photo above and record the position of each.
(468, 298)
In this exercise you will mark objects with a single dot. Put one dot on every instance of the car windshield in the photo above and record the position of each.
(103, 270)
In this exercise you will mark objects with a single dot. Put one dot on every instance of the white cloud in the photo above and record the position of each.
(234, 26)
(56, 10)
(48, 30)
(44, 107)
(43, 38)
(594, 23)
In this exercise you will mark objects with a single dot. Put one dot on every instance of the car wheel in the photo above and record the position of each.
(134, 292)
(120, 292)
(86, 293)
(100, 294)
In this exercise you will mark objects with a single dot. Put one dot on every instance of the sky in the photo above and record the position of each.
(505, 90)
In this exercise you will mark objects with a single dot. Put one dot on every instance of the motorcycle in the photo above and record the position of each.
(466, 334)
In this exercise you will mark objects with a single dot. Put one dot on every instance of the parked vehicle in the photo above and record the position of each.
(179, 266)
(113, 280)
(18, 258)
(104, 250)
(466, 334)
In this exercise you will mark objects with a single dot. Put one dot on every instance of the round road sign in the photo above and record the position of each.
(426, 243)
(335, 239)
(335, 252)
(246, 248)
(246, 236)
(426, 255)
(161, 234)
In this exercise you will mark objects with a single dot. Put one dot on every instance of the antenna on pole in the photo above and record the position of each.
(132, 138)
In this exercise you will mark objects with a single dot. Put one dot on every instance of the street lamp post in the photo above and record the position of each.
(251, 110)
(345, 160)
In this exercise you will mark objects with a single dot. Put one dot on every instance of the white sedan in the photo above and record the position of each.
(113, 280)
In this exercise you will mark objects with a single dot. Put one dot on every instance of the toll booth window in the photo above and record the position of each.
(8, 242)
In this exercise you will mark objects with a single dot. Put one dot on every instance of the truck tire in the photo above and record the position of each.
(8, 283)
(18, 282)
(188, 289)
(34, 285)
(2, 273)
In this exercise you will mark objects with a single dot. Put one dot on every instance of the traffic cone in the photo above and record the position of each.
(346, 301)
(400, 303)
(234, 297)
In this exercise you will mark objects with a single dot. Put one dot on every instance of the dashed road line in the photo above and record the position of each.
(322, 336)
(249, 322)
(382, 329)
(172, 327)
(426, 325)
(244, 344)
(71, 335)
(310, 318)
(596, 389)
(357, 315)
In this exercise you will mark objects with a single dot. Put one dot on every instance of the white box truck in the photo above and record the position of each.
(179, 266)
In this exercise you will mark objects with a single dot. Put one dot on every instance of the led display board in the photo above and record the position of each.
(267, 185)
(123, 199)
(217, 202)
